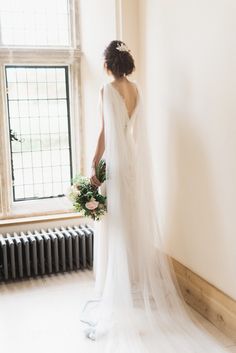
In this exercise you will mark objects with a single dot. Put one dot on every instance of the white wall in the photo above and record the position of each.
(188, 73)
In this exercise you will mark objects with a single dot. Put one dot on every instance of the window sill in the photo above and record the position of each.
(42, 218)
(41, 210)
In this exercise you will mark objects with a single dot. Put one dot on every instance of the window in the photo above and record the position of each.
(35, 23)
(38, 113)
(41, 129)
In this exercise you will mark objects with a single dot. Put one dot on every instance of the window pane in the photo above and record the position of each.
(39, 131)
(34, 23)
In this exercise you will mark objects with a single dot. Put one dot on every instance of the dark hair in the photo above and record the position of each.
(120, 63)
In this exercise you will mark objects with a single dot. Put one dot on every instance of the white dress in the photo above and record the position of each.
(138, 306)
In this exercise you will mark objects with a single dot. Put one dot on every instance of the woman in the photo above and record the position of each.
(138, 306)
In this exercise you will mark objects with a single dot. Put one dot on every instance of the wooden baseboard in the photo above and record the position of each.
(209, 301)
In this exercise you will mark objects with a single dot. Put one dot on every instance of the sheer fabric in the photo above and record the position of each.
(138, 306)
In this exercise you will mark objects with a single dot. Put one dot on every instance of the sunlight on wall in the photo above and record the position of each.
(188, 72)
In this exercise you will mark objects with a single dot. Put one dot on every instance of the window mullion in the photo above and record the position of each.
(5, 167)
(78, 149)
(75, 28)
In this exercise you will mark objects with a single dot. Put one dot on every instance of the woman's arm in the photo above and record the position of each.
(100, 148)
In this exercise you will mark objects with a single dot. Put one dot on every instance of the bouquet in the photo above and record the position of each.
(85, 196)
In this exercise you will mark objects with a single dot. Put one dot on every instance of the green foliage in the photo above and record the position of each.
(101, 170)
(85, 196)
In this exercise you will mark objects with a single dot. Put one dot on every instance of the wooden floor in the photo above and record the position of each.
(42, 315)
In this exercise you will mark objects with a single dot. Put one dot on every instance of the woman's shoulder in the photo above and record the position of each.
(103, 87)
(108, 85)
(135, 84)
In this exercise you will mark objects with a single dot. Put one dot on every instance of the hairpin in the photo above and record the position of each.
(122, 47)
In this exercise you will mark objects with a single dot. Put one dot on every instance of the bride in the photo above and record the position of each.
(137, 306)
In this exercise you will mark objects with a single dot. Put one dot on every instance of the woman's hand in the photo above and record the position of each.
(93, 179)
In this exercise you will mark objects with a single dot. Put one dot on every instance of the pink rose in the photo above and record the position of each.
(92, 204)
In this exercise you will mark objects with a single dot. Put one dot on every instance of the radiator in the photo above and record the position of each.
(34, 253)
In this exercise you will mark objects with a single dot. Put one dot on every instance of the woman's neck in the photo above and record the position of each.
(120, 79)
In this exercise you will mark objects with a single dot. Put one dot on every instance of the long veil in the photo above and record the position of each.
(138, 306)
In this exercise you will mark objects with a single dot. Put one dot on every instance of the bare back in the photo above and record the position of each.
(128, 92)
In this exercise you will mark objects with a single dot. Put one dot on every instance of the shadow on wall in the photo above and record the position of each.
(194, 231)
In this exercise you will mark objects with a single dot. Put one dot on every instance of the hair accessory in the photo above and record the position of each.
(122, 47)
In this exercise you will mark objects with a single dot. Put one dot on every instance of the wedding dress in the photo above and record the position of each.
(137, 306)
